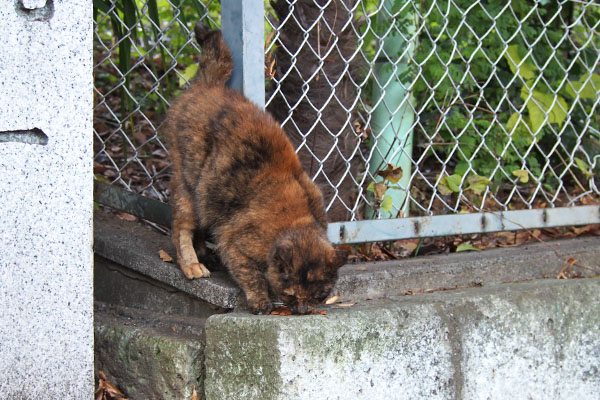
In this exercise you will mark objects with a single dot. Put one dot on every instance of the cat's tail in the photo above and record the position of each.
(215, 62)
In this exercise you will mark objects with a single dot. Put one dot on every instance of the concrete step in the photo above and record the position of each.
(149, 355)
(135, 247)
(532, 340)
(535, 340)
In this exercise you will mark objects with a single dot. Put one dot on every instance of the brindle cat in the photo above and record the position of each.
(237, 177)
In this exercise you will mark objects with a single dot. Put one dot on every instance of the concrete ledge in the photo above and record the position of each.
(460, 270)
(535, 340)
(135, 247)
(120, 286)
(148, 355)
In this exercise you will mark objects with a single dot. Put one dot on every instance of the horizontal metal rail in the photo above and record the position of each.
(460, 224)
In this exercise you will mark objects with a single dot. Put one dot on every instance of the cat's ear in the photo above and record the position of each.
(338, 259)
(283, 253)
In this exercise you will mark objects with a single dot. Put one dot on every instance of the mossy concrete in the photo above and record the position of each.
(534, 340)
(243, 350)
(364, 352)
(150, 357)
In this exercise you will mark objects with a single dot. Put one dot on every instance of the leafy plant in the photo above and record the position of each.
(509, 85)
(496, 85)
(391, 176)
(150, 33)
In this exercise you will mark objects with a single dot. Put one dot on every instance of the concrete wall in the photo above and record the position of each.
(46, 328)
(535, 340)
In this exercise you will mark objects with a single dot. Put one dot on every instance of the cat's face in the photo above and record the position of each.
(303, 269)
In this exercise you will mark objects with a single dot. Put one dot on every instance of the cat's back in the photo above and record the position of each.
(224, 140)
(200, 110)
(224, 117)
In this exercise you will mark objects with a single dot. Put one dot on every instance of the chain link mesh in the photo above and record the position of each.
(396, 107)
(144, 53)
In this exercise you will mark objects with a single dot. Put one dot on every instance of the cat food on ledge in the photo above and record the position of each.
(285, 311)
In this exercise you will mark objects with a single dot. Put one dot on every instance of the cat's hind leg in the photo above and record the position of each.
(183, 236)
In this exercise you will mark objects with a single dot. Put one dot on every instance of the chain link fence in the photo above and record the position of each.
(396, 108)
(144, 54)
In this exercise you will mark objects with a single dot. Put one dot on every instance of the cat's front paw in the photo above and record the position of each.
(195, 270)
(261, 307)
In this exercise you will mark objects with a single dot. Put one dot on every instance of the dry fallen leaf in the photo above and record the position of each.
(391, 173)
(285, 311)
(195, 394)
(127, 217)
(332, 300)
(409, 245)
(522, 237)
(380, 189)
(165, 256)
(584, 229)
(566, 271)
(345, 304)
(106, 390)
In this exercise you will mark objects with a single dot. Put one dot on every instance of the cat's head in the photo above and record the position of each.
(303, 267)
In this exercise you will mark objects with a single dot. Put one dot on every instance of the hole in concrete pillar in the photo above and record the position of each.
(29, 136)
(35, 10)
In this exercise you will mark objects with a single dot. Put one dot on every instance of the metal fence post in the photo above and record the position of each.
(242, 23)
(393, 117)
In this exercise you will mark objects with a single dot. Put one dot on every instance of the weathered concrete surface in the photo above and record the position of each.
(136, 247)
(119, 286)
(150, 356)
(532, 340)
(500, 265)
(46, 152)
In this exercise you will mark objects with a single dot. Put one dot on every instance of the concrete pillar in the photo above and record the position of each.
(46, 318)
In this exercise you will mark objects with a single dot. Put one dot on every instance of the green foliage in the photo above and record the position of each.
(497, 83)
(188, 74)
(529, 76)
(466, 247)
(154, 33)
(522, 174)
